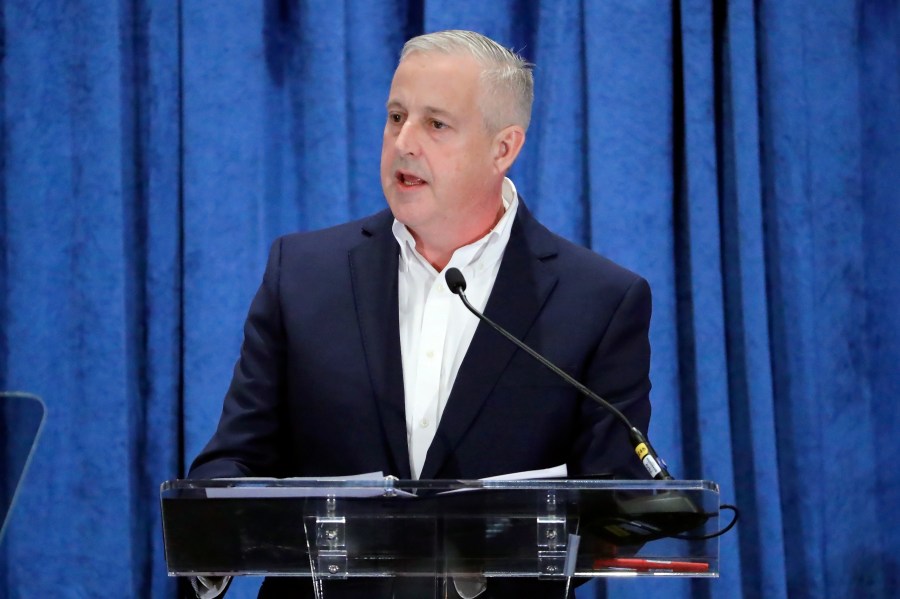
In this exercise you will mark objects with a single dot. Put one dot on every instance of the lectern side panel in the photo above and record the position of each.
(234, 535)
(276, 536)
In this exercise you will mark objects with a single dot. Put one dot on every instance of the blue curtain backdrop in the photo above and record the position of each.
(741, 155)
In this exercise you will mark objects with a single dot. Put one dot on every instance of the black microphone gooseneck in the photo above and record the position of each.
(456, 282)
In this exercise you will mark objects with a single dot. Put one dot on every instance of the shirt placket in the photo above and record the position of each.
(428, 374)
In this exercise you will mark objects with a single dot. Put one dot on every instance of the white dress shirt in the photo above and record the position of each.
(436, 328)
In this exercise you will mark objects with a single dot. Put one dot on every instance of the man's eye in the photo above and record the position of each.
(438, 125)
(394, 117)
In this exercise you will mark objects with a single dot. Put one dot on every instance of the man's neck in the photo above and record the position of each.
(438, 252)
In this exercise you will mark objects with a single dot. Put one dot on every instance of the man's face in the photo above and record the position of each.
(437, 171)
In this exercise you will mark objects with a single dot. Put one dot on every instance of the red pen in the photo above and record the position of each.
(647, 565)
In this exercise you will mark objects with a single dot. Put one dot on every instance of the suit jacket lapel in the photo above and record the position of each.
(522, 287)
(373, 271)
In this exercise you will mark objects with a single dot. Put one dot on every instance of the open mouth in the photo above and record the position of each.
(408, 179)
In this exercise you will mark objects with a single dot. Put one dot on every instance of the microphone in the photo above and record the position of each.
(655, 466)
(639, 519)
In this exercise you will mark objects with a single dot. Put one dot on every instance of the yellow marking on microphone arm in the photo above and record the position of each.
(641, 450)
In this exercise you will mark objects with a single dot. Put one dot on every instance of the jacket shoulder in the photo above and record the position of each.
(342, 236)
(571, 260)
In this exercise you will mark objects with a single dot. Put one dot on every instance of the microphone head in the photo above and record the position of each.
(456, 282)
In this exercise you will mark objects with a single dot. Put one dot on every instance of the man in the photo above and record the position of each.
(357, 358)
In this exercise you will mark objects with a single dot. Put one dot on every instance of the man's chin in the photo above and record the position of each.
(408, 201)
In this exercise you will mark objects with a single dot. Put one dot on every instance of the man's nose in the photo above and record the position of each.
(407, 142)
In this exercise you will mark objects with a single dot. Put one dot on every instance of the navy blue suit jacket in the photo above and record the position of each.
(318, 388)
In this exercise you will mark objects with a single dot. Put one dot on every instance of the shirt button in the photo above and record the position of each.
(442, 288)
(423, 423)
(429, 354)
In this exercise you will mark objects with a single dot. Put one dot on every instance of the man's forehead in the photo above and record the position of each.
(397, 104)
(443, 70)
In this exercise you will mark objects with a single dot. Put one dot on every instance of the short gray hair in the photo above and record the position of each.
(508, 86)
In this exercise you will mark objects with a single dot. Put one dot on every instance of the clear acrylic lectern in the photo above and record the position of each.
(21, 420)
(441, 530)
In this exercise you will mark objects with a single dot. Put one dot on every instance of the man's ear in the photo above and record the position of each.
(507, 144)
